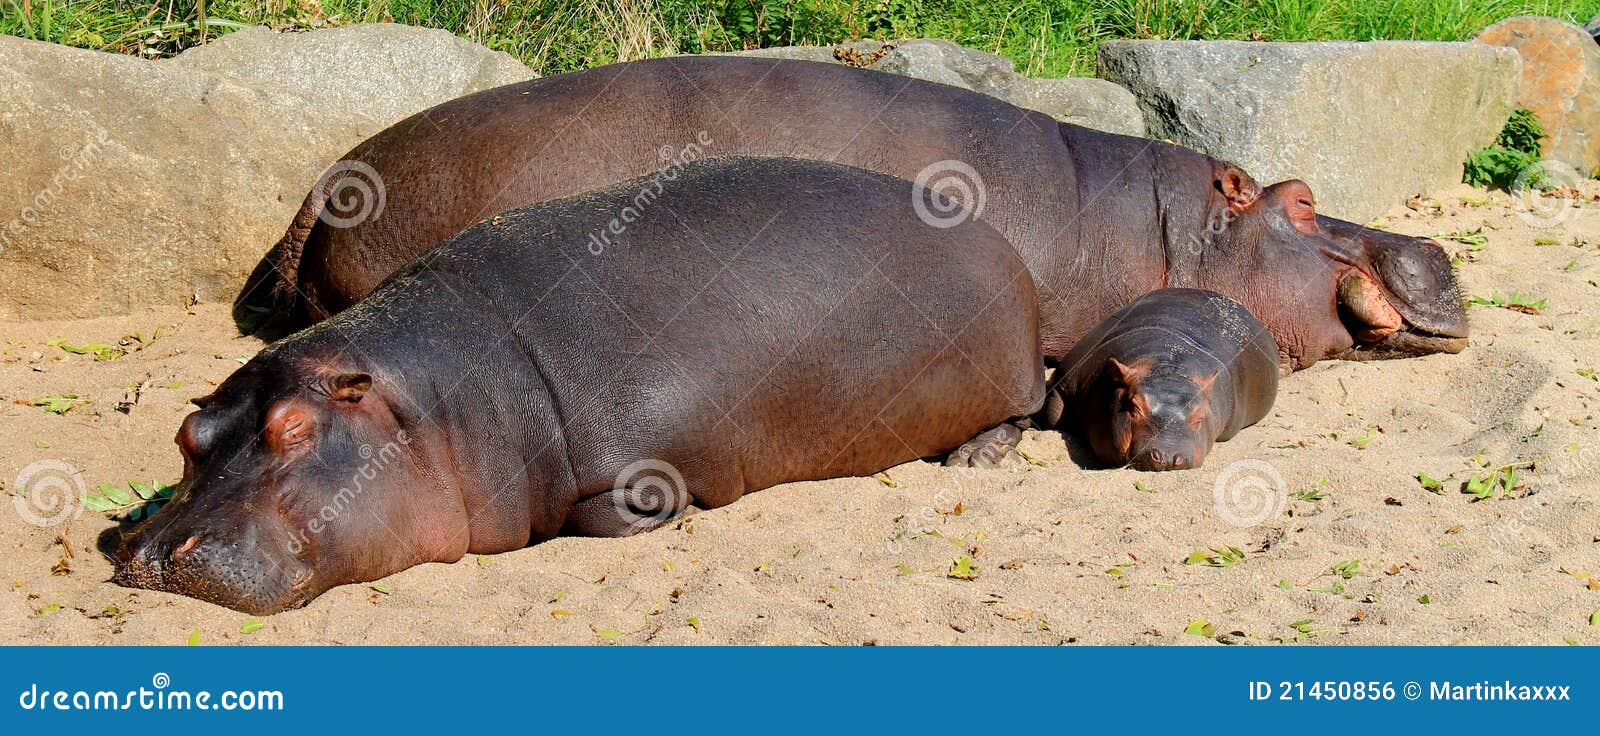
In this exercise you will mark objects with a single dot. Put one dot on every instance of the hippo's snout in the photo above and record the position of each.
(1156, 460)
(242, 576)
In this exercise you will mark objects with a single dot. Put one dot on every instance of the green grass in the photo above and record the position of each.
(1045, 37)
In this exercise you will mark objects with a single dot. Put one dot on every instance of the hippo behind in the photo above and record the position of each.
(755, 322)
(1100, 218)
(1163, 378)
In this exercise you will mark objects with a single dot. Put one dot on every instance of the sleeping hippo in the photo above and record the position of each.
(758, 321)
(1163, 378)
(1100, 218)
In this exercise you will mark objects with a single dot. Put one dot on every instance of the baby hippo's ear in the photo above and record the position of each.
(349, 387)
(1125, 374)
(1202, 399)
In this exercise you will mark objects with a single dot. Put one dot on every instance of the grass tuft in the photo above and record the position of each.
(1045, 37)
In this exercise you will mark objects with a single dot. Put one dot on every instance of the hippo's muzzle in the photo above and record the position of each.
(1401, 298)
(245, 576)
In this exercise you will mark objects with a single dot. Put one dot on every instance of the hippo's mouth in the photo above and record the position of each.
(1385, 327)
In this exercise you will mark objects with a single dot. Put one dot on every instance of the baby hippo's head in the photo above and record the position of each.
(1158, 417)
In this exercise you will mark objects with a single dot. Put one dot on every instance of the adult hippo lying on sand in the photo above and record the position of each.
(1099, 218)
(763, 321)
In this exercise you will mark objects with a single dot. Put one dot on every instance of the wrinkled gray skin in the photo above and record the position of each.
(759, 321)
(1162, 379)
(1099, 218)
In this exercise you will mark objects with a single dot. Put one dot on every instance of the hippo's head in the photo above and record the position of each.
(1158, 417)
(1327, 288)
(296, 478)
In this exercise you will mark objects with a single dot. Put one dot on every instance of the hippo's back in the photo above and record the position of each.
(445, 169)
(755, 321)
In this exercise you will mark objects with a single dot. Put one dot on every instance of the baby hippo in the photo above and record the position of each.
(1160, 380)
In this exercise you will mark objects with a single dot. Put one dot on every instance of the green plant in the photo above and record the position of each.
(1516, 301)
(59, 404)
(1513, 161)
(1045, 37)
(138, 501)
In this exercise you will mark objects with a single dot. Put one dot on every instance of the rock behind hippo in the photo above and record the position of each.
(1156, 383)
(1099, 218)
(749, 322)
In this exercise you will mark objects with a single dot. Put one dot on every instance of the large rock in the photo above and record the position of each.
(1092, 103)
(1560, 83)
(1366, 124)
(945, 62)
(383, 71)
(130, 183)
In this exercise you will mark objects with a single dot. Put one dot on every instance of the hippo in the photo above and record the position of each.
(756, 321)
(1099, 218)
(1159, 381)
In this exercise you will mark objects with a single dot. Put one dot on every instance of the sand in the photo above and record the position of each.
(1062, 555)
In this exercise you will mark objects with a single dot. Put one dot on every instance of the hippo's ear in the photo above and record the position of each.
(349, 387)
(1238, 188)
(1298, 204)
(204, 401)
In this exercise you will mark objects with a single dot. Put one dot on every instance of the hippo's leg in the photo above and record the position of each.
(988, 449)
(623, 512)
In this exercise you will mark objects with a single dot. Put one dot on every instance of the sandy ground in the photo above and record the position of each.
(1062, 555)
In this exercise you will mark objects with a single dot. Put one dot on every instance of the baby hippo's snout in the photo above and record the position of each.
(1155, 459)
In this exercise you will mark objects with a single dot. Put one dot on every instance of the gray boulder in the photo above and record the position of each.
(130, 183)
(383, 71)
(1091, 103)
(1365, 124)
(937, 60)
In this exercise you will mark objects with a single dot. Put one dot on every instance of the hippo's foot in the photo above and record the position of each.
(989, 449)
(623, 512)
